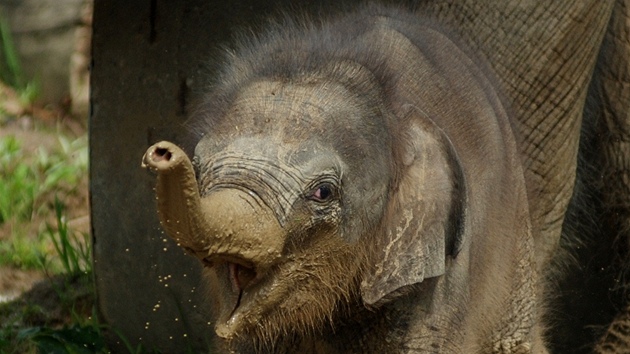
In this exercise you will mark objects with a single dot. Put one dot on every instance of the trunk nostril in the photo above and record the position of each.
(161, 154)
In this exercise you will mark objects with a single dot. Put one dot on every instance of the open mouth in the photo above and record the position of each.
(241, 288)
(239, 277)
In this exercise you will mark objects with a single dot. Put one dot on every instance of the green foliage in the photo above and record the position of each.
(26, 183)
(78, 337)
(21, 251)
(72, 339)
(24, 179)
(64, 166)
(75, 253)
(18, 182)
(35, 188)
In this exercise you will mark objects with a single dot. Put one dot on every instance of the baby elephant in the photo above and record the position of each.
(356, 188)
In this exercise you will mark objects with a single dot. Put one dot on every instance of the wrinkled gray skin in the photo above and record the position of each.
(362, 187)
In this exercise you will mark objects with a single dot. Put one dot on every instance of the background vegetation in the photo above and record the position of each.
(43, 218)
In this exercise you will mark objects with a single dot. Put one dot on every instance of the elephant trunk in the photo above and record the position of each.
(227, 225)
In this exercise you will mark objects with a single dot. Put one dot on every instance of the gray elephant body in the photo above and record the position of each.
(360, 189)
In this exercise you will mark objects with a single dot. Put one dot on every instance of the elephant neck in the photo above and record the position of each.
(399, 325)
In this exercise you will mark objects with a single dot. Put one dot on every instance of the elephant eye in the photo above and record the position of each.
(323, 192)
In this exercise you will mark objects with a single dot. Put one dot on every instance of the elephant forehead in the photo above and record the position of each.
(305, 161)
(296, 111)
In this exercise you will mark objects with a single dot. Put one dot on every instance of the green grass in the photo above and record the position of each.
(20, 251)
(18, 182)
(34, 189)
(28, 327)
(38, 191)
(28, 182)
(74, 250)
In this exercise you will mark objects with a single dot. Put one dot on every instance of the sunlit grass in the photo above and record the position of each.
(74, 251)
(33, 188)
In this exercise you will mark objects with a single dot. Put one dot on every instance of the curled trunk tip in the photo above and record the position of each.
(163, 157)
(177, 194)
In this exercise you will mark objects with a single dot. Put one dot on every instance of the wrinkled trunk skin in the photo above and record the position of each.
(177, 194)
(224, 226)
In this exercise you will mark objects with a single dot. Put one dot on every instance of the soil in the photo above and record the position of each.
(14, 282)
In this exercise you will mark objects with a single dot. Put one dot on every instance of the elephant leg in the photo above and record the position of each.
(614, 133)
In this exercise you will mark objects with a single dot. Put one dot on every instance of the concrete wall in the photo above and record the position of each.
(51, 38)
(147, 59)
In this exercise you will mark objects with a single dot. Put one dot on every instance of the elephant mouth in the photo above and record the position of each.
(244, 290)
(239, 277)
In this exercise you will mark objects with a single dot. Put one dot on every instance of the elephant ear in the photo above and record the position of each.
(424, 218)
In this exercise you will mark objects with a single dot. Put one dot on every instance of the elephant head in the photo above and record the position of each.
(332, 181)
(281, 211)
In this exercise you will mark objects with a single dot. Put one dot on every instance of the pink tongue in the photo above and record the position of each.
(240, 276)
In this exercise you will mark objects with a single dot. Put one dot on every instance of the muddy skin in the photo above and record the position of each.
(341, 204)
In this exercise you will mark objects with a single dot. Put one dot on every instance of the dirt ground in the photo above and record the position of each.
(14, 281)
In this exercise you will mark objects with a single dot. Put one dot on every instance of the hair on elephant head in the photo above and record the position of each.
(355, 187)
